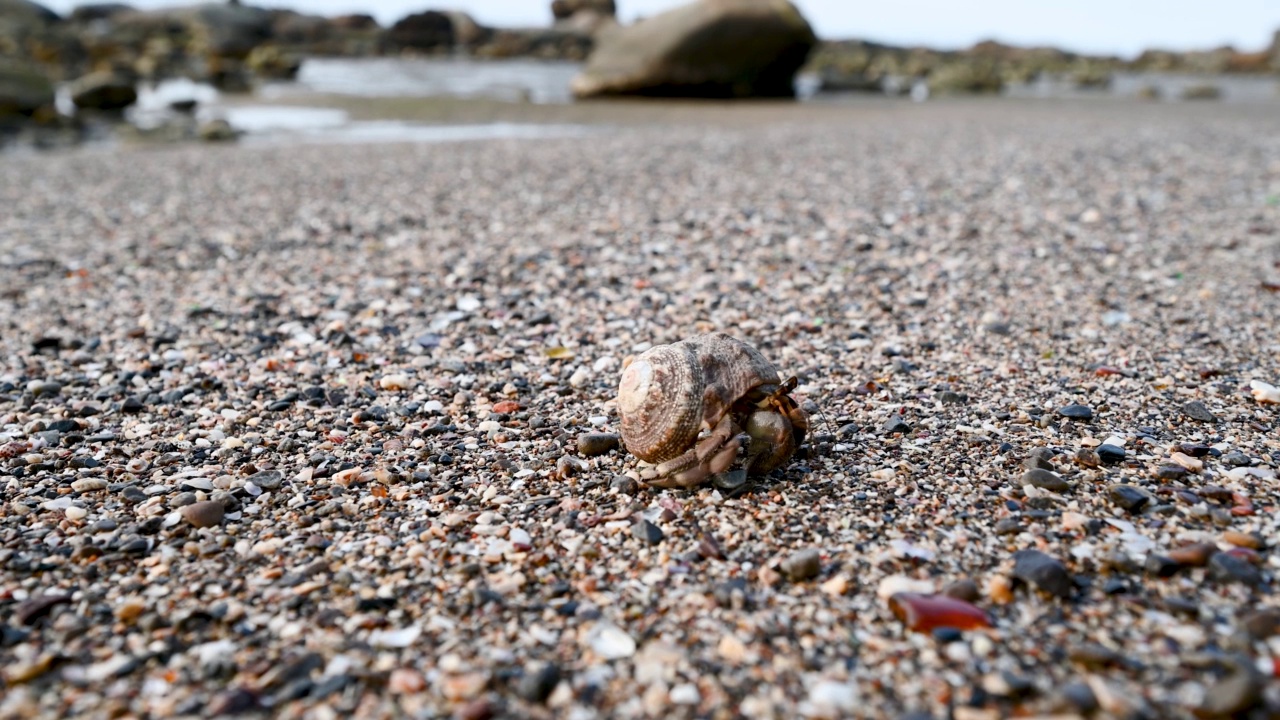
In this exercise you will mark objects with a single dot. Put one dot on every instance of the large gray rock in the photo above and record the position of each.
(424, 31)
(561, 9)
(229, 30)
(25, 11)
(103, 90)
(23, 89)
(708, 48)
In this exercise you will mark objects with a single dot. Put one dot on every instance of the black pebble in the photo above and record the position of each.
(647, 532)
(1042, 571)
(1076, 412)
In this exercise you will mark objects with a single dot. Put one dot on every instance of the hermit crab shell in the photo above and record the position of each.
(671, 392)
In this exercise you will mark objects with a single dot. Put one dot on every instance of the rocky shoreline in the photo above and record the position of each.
(101, 53)
(331, 431)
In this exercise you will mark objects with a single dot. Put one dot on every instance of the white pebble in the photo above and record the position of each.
(686, 694)
(401, 638)
(1265, 392)
(830, 695)
(398, 381)
(895, 584)
(76, 514)
(610, 642)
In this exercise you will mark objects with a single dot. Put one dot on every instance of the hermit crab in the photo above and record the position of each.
(692, 407)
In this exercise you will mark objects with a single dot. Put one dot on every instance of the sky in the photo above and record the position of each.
(1121, 27)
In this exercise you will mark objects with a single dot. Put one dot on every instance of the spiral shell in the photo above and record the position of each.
(671, 392)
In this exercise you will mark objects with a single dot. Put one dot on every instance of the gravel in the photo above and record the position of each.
(371, 367)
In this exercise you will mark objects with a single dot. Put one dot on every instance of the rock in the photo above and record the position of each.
(466, 31)
(1042, 571)
(24, 89)
(1161, 566)
(1227, 568)
(31, 610)
(537, 686)
(1194, 555)
(1235, 694)
(97, 11)
(963, 589)
(1264, 393)
(592, 444)
(707, 48)
(25, 11)
(1008, 526)
(1040, 458)
(235, 701)
(1196, 410)
(624, 484)
(216, 130)
(203, 514)
(1044, 480)
(1088, 457)
(648, 532)
(1131, 498)
(1110, 454)
(802, 565)
(562, 9)
(430, 30)
(895, 424)
(1076, 412)
(926, 613)
(267, 479)
(104, 90)
(230, 29)
(610, 642)
(1237, 459)
(1261, 623)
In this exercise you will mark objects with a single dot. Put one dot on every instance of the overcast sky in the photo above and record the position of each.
(1097, 26)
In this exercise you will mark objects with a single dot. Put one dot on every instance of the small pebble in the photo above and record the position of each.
(1043, 572)
(802, 565)
(648, 532)
(1197, 410)
(1076, 412)
(592, 444)
(1227, 568)
(1045, 480)
(1110, 454)
(1131, 498)
(204, 514)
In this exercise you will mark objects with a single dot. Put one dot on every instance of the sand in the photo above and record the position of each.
(294, 431)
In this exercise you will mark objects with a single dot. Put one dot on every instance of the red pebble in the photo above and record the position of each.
(926, 613)
(506, 406)
(1104, 370)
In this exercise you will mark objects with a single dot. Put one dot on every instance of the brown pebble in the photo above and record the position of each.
(1196, 555)
(1088, 458)
(31, 610)
(926, 613)
(963, 589)
(203, 514)
(802, 565)
(592, 444)
(1253, 541)
(480, 709)
(406, 681)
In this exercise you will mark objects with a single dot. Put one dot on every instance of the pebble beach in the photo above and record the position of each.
(331, 431)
